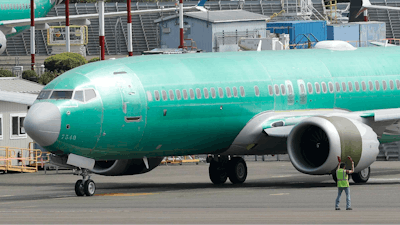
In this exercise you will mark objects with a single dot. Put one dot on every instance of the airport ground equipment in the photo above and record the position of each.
(19, 159)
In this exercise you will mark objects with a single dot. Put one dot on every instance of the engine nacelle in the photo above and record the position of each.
(3, 42)
(315, 143)
(124, 166)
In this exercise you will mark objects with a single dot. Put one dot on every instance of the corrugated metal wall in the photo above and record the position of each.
(7, 108)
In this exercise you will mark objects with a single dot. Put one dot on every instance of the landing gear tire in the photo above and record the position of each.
(334, 175)
(237, 170)
(79, 190)
(217, 172)
(362, 176)
(89, 187)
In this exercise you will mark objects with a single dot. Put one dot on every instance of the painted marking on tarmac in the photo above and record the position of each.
(280, 194)
(282, 176)
(384, 179)
(2, 196)
(125, 194)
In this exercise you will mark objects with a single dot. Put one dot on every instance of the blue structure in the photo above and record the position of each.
(359, 34)
(212, 31)
(300, 31)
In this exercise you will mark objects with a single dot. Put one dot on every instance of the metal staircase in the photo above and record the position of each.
(389, 152)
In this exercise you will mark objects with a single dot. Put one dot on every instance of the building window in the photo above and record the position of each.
(242, 93)
(357, 85)
(257, 91)
(228, 92)
(310, 89)
(191, 92)
(235, 92)
(213, 93)
(164, 95)
(220, 92)
(157, 95)
(171, 95)
(198, 93)
(17, 130)
(178, 94)
(1, 127)
(364, 86)
(206, 95)
(185, 95)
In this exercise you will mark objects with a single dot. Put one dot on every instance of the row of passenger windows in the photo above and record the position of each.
(197, 93)
(275, 89)
(16, 6)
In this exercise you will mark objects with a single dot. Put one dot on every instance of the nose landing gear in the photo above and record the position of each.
(86, 186)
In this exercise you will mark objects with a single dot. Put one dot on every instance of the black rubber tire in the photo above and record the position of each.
(360, 177)
(89, 187)
(334, 175)
(79, 188)
(237, 170)
(217, 172)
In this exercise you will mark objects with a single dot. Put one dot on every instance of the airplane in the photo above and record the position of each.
(123, 116)
(366, 4)
(15, 16)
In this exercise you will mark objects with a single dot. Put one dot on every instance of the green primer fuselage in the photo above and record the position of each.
(20, 9)
(197, 126)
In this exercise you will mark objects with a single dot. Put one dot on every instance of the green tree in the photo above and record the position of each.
(5, 73)
(64, 61)
(30, 75)
(95, 59)
(47, 77)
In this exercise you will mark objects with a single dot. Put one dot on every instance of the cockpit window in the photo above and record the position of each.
(79, 96)
(89, 95)
(44, 94)
(61, 95)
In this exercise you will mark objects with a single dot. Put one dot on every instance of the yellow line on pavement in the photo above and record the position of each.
(125, 194)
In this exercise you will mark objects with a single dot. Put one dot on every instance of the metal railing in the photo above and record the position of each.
(20, 159)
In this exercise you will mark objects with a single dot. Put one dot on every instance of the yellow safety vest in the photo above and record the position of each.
(342, 178)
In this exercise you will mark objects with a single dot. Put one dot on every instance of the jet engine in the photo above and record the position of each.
(125, 166)
(3, 42)
(315, 143)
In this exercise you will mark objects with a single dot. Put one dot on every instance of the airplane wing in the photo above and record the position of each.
(367, 5)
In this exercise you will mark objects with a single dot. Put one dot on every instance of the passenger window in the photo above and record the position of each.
(79, 96)
(337, 87)
(157, 95)
(149, 96)
(350, 86)
(164, 95)
(330, 84)
(384, 85)
(324, 88)
(235, 92)
(206, 95)
(364, 86)
(171, 95)
(310, 89)
(257, 91)
(398, 84)
(357, 85)
(185, 94)
(220, 92)
(290, 89)
(276, 90)
(191, 92)
(242, 93)
(371, 86)
(391, 84)
(317, 88)
(377, 86)
(178, 94)
(302, 89)
(213, 93)
(228, 92)
(198, 93)
(270, 90)
(283, 89)
(343, 86)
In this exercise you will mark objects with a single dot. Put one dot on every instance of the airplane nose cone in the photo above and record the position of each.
(43, 123)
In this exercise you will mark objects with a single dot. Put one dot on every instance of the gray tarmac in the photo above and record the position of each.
(274, 192)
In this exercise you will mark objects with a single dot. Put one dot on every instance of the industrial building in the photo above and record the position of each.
(213, 31)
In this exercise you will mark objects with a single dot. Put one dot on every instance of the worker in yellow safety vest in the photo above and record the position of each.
(343, 182)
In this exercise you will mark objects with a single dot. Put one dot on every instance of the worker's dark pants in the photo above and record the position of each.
(348, 201)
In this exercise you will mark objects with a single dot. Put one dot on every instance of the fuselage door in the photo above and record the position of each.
(131, 96)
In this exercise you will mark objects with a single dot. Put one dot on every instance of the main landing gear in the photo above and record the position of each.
(221, 168)
(360, 177)
(86, 186)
